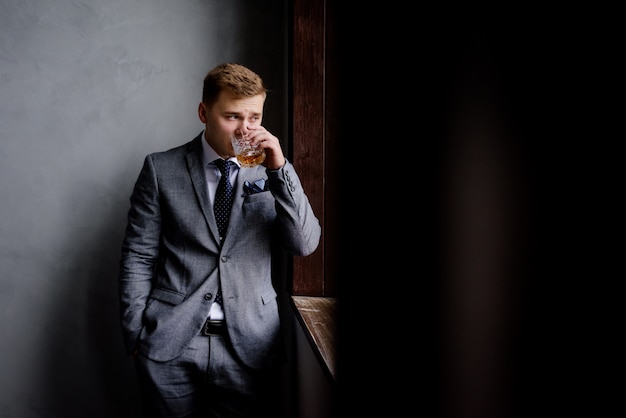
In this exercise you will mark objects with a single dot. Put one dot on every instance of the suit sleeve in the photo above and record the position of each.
(298, 227)
(140, 248)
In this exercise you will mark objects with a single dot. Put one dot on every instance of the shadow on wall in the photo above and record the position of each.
(85, 370)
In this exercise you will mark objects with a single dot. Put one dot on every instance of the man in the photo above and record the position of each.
(199, 312)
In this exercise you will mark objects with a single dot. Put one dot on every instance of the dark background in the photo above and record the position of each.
(483, 257)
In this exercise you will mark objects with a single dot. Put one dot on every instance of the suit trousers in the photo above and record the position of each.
(207, 380)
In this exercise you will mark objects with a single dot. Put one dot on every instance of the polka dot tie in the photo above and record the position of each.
(223, 196)
(218, 297)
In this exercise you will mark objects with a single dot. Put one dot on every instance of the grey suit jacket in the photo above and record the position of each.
(172, 263)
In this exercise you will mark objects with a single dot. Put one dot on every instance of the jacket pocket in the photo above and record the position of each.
(168, 296)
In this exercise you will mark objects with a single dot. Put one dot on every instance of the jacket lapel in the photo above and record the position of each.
(198, 179)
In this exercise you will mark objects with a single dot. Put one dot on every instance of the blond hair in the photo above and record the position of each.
(237, 78)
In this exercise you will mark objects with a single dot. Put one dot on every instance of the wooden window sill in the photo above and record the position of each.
(318, 316)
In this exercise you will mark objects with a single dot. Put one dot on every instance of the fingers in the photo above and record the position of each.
(274, 154)
(263, 137)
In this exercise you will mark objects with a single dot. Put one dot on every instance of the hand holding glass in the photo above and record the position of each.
(248, 156)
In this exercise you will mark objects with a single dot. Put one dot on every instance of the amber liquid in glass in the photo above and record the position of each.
(251, 158)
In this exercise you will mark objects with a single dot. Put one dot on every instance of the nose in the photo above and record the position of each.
(243, 129)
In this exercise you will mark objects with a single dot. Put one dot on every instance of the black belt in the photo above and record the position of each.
(213, 327)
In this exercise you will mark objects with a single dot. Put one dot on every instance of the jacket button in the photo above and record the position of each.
(208, 296)
(224, 258)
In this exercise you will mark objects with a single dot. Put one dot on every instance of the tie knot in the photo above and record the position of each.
(224, 166)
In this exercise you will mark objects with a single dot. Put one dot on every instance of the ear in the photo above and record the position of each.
(202, 112)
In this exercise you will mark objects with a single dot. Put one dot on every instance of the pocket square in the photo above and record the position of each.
(256, 186)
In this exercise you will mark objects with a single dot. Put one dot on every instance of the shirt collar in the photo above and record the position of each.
(209, 154)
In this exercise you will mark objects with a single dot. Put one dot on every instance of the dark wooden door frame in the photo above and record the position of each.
(314, 146)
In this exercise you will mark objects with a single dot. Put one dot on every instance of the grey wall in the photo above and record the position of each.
(87, 88)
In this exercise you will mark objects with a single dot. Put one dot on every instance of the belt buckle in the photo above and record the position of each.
(213, 327)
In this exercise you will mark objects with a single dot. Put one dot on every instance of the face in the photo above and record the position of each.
(228, 116)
